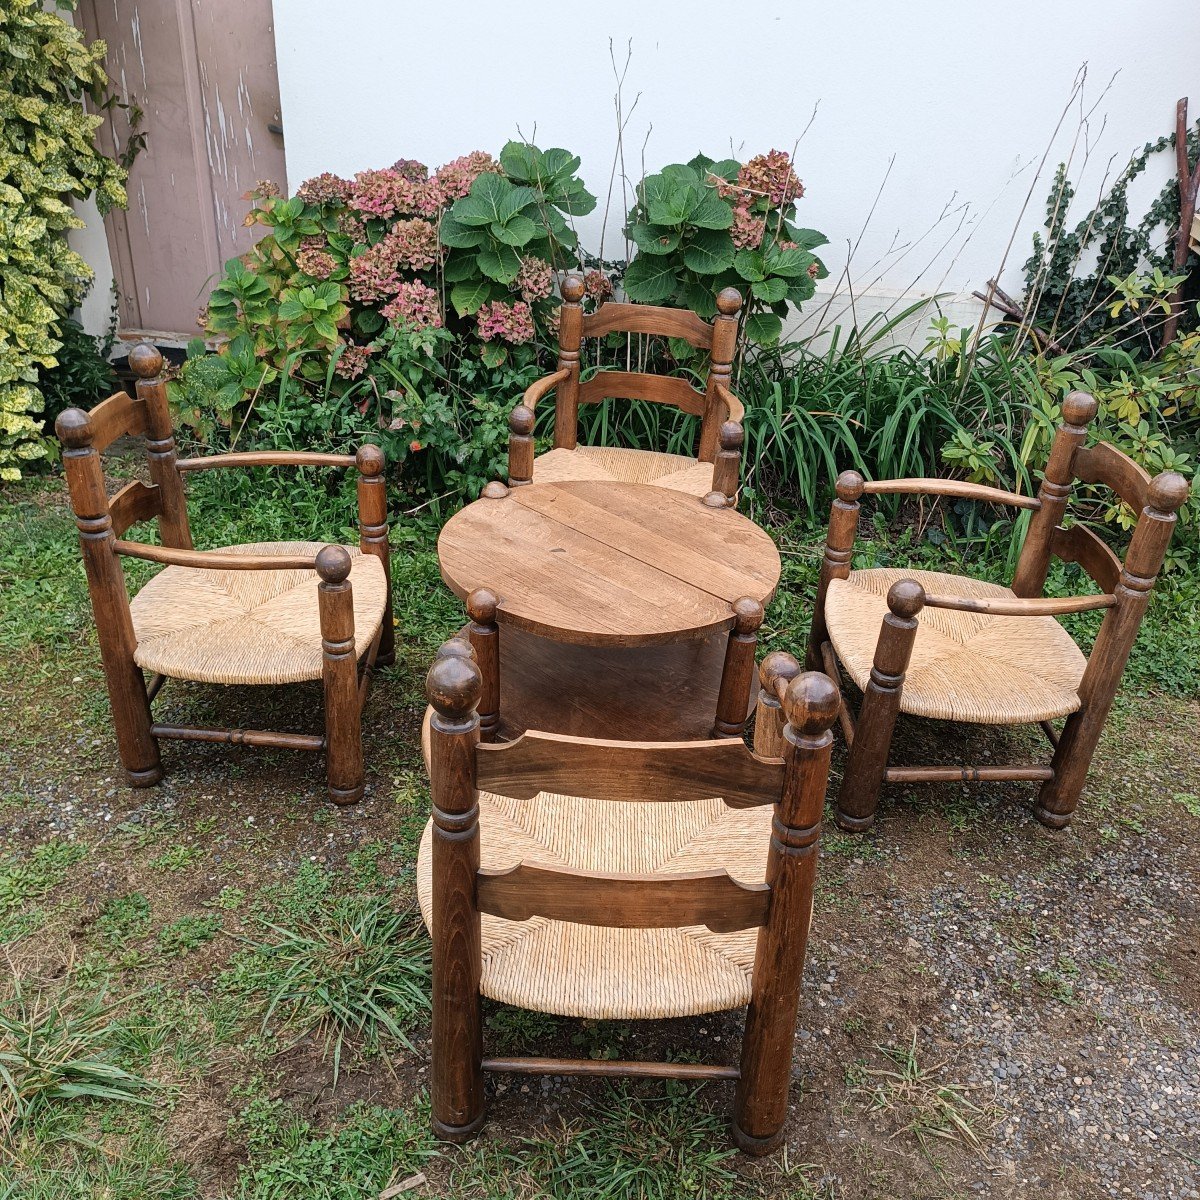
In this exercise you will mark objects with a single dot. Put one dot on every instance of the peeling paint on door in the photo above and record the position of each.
(203, 73)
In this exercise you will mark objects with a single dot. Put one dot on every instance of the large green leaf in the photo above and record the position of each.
(789, 263)
(806, 239)
(574, 198)
(520, 161)
(517, 231)
(801, 289)
(500, 263)
(559, 165)
(459, 267)
(763, 329)
(492, 199)
(726, 169)
(700, 299)
(669, 202)
(455, 233)
(468, 297)
(650, 279)
(654, 239)
(708, 252)
(750, 265)
(770, 291)
(711, 212)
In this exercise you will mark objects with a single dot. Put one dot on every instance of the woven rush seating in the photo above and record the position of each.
(676, 471)
(965, 666)
(601, 972)
(248, 627)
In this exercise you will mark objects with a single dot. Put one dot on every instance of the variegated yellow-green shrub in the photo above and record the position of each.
(47, 155)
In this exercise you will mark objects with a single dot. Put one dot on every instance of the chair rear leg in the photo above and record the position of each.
(339, 670)
(858, 796)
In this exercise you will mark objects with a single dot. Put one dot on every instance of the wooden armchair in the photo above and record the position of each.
(267, 613)
(691, 893)
(712, 474)
(956, 649)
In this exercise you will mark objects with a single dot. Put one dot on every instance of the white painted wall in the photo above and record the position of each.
(961, 98)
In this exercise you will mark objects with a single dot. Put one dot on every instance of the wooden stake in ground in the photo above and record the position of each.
(1189, 180)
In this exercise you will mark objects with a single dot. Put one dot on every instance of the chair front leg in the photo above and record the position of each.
(839, 546)
(339, 672)
(866, 766)
(373, 537)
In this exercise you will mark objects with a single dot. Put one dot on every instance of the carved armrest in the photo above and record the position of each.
(520, 425)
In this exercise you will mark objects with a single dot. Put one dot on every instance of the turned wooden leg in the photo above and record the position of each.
(733, 699)
(777, 671)
(727, 467)
(127, 697)
(867, 762)
(339, 669)
(484, 635)
(760, 1105)
(520, 446)
(373, 537)
(453, 687)
(839, 547)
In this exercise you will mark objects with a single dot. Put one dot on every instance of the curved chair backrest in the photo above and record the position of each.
(719, 338)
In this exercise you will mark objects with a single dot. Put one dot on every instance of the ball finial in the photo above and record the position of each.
(520, 421)
(1168, 492)
(1078, 408)
(333, 564)
(729, 302)
(777, 668)
(481, 606)
(370, 460)
(573, 288)
(145, 360)
(747, 615)
(456, 647)
(494, 490)
(731, 436)
(74, 429)
(811, 703)
(849, 486)
(906, 598)
(453, 686)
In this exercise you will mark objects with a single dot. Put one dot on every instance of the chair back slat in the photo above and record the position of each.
(135, 502)
(621, 901)
(614, 317)
(1104, 463)
(630, 385)
(1078, 544)
(118, 416)
(628, 771)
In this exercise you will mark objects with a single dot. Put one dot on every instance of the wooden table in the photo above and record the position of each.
(628, 610)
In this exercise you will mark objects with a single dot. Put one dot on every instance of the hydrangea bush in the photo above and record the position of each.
(47, 155)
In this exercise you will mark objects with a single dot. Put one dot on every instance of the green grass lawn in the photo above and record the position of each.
(219, 987)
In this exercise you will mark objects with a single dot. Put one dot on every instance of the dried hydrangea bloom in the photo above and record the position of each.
(387, 193)
(747, 229)
(535, 279)
(453, 181)
(350, 224)
(353, 360)
(410, 169)
(416, 303)
(414, 244)
(597, 285)
(313, 259)
(813, 271)
(771, 175)
(509, 322)
(325, 189)
(375, 274)
(264, 189)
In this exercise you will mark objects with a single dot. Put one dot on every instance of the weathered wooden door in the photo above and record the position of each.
(203, 74)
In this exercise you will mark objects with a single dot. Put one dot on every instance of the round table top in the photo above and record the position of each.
(601, 563)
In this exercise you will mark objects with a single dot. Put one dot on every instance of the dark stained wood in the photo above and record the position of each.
(627, 770)
(213, 560)
(1020, 606)
(830, 667)
(1030, 577)
(173, 528)
(544, 386)
(110, 601)
(339, 674)
(452, 687)
(1057, 801)
(728, 464)
(608, 564)
(609, 1068)
(777, 671)
(374, 537)
(266, 458)
(950, 487)
(865, 768)
(720, 366)
(484, 637)
(1078, 544)
(712, 898)
(1104, 463)
(570, 345)
(839, 546)
(966, 774)
(738, 673)
(761, 1101)
(615, 317)
(735, 410)
(656, 389)
(134, 503)
(240, 737)
(118, 416)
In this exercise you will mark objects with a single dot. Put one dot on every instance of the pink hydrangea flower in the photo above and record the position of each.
(747, 229)
(508, 322)
(350, 224)
(597, 285)
(414, 244)
(324, 189)
(416, 303)
(385, 194)
(374, 275)
(771, 175)
(535, 279)
(313, 259)
(454, 180)
(353, 360)
(410, 169)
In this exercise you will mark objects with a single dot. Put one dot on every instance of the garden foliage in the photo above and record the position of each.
(47, 155)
